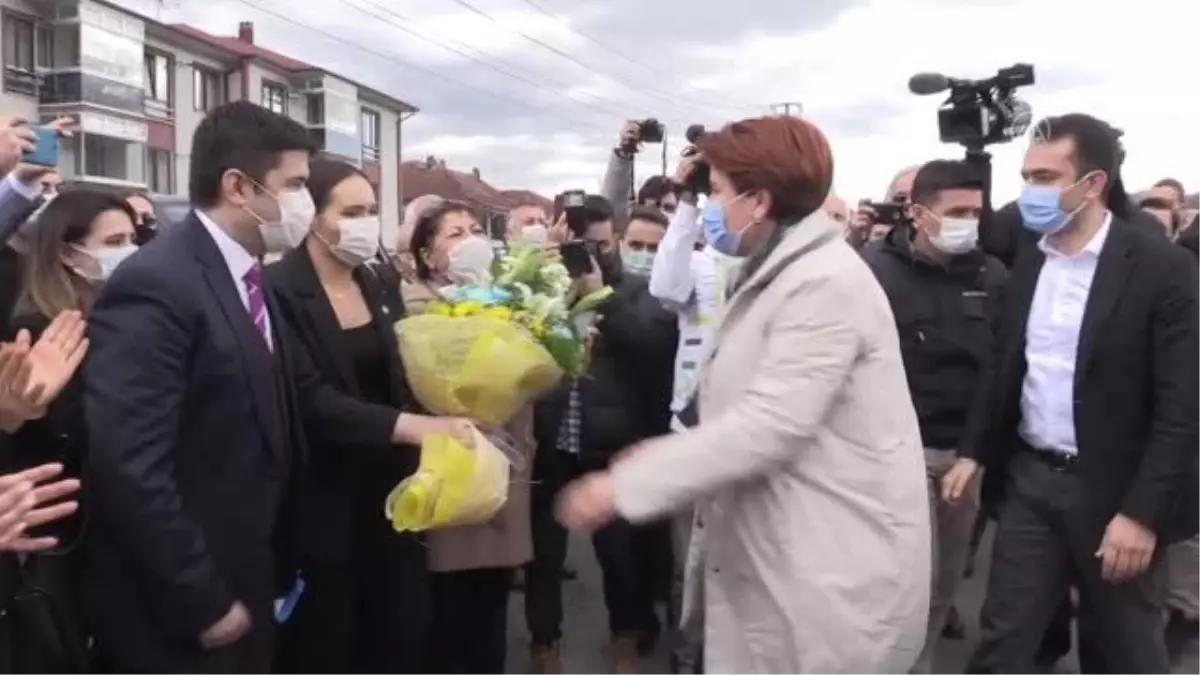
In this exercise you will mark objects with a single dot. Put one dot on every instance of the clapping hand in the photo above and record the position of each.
(25, 502)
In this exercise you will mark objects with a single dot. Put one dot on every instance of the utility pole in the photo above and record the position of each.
(787, 108)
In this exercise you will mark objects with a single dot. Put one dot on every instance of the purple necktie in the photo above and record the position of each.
(258, 306)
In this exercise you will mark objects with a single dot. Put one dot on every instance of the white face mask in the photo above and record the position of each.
(535, 234)
(358, 239)
(470, 261)
(957, 236)
(296, 213)
(107, 259)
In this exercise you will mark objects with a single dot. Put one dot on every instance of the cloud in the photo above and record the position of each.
(532, 92)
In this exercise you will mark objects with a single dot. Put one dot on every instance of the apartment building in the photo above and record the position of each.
(139, 88)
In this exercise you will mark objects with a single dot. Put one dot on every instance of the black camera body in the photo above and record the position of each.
(650, 130)
(979, 112)
(888, 213)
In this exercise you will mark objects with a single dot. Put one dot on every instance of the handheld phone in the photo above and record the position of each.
(888, 213)
(576, 258)
(572, 203)
(45, 149)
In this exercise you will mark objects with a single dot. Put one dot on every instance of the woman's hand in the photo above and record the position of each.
(587, 504)
(26, 501)
(414, 429)
(56, 356)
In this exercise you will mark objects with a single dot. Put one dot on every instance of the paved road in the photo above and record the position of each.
(586, 630)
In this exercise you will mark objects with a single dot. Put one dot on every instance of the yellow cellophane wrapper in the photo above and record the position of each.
(479, 367)
(454, 485)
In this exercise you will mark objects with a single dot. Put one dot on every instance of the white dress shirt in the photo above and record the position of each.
(692, 284)
(1052, 344)
(239, 261)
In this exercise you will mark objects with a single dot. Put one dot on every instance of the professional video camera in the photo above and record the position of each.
(979, 112)
(700, 181)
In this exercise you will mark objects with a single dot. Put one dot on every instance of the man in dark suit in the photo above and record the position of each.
(194, 406)
(1090, 429)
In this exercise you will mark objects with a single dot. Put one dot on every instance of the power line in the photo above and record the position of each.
(563, 54)
(420, 69)
(479, 57)
(639, 64)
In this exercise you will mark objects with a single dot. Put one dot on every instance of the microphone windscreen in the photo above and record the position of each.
(924, 84)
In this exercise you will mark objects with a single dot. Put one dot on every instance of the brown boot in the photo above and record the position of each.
(547, 659)
(625, 654)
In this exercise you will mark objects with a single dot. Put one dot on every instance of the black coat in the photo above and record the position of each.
(626, 393)
(945, 318)
(1136, 399)
(194, 435)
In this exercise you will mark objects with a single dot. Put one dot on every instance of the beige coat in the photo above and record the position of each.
(811, 538)
(506, 540)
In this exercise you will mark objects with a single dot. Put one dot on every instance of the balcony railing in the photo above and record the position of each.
(21, 81)
(370, 153)
(162, 110)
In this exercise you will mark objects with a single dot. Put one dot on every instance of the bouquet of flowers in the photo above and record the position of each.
(486, 350)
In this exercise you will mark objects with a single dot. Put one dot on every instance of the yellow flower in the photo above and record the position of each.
(440, 309)
(468, 308)
(537, 327)
(501, 313)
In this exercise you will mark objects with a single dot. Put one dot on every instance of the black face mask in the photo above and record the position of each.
(145, 233)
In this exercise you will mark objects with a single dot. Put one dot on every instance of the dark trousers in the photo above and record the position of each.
(1046, 539)
(469, 633)
(621, 548)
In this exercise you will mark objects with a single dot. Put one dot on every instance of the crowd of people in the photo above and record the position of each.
(795, 423)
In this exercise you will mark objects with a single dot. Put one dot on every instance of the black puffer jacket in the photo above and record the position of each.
(945, 317)
(626, 394)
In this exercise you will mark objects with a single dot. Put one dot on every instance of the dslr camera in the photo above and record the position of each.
(650, 130)
(700, 182)
(979, 112)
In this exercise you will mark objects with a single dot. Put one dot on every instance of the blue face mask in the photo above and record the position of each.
(1041, 208)
(716, 231)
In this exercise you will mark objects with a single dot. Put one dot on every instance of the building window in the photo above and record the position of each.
(274, 97)
(208, 88)
(159, 176)
(20, 55)
(159, 81)
(370, 135)
(316, 109)
(115, 158)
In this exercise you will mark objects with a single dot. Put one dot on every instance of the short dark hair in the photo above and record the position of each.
(1155, 203)
(325, 174)
(244, 136)
(597, 209)
(940, 175)
(648, 213)
(1097, 148)
(1174, 185)
(654, 190)
(426, 230)
(48, 287)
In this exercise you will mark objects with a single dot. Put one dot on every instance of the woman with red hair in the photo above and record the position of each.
(811, 539)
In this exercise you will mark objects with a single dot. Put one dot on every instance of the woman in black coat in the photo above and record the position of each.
(364, 606)
(79, 240)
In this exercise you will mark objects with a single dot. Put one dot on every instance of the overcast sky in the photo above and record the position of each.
(532, 92)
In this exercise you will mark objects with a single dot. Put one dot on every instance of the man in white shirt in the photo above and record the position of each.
(1091, 424)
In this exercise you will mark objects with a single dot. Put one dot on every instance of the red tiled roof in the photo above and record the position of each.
(421, 178)
(526, 196)
(244, 49)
